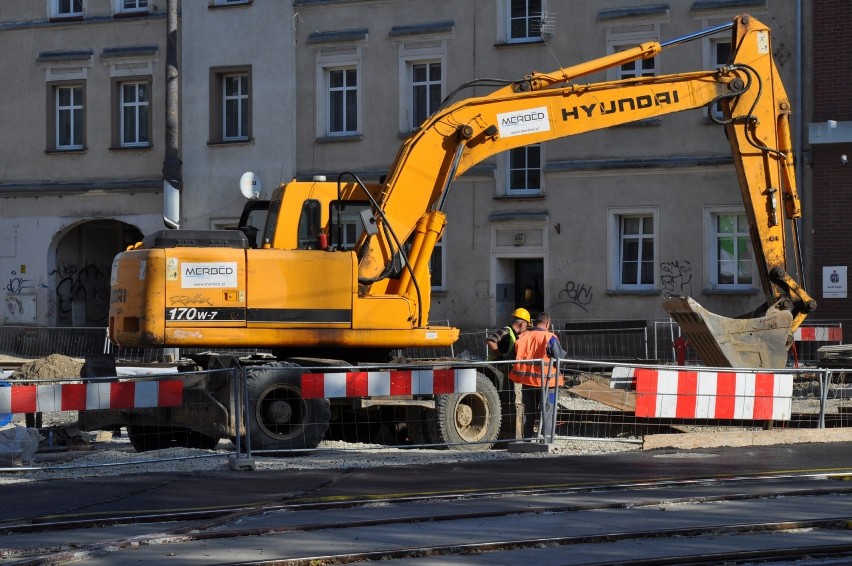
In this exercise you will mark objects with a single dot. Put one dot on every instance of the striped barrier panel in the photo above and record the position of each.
(90, 396)
(818, 334)
(388, 383)
(713, 395)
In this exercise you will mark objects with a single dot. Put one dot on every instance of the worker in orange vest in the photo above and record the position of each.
(538, 343)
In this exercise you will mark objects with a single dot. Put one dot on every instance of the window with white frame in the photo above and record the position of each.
(617, 42)
(134, 112)
(720, 52)
(438, 267)
(523, 20)
(346, 225)
(230, 104)
(69, 117)
(235, 106)
(634, 69)
(427, 89)
(131, 6)
(634, 250)
(342, 101)
(524, 170)
(66, 8)
(731, 251)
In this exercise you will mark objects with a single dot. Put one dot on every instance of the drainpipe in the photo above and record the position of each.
(797, 128)
(172, 171)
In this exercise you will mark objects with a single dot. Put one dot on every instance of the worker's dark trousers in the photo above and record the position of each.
(531, 398)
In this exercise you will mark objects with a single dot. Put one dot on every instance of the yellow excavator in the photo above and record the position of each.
(340, 270)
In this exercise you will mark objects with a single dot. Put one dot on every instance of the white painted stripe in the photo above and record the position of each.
(705, 402)
(146, 394)
(421, 382)
(98, 396)
(465, 381)
(667, 393)
(334, 385)
(5, 400)
(378, 383)
(49, 398)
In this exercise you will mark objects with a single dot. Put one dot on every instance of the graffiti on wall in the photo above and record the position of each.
(676, 277)
(88, 284)
(18, 284)
(576, 294)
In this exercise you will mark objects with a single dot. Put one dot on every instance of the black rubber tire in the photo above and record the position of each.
(468, 421)
(279, 417)
(145, 438)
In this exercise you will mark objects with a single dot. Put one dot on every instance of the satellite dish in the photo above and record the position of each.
(250, 185)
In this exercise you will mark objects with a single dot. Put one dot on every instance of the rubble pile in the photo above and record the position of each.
(54, 366)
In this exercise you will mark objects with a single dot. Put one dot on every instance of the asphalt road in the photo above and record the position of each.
(87, 498)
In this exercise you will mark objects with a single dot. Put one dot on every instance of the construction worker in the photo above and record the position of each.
(501, 343)
(538, 343)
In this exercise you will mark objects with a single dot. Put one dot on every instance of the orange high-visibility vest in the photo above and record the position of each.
(532, 345)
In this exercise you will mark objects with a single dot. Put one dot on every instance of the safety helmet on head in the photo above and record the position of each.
(522, 314)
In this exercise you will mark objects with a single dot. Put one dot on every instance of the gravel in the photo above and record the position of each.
(117, 457)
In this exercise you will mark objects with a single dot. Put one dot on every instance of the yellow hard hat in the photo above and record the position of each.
(522, 314)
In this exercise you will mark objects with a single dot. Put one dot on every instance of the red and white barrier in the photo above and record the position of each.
(90, 396)
(818, 334)
(713, 395)
(388, 383)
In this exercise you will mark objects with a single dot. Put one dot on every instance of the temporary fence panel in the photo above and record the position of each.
(80, 418)
(809, 338)
(614, 340)
(685, 394)
(388, 383)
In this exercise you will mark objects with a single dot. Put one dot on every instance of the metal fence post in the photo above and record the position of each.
(240, 396)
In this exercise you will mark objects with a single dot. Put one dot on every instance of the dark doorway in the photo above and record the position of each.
(529, 284)
(82, 270)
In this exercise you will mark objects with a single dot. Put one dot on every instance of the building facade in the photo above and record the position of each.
(80, 153)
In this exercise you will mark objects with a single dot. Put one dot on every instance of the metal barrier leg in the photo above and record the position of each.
(238, 461)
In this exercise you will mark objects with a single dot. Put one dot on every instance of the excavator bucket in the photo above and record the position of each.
(733, 342)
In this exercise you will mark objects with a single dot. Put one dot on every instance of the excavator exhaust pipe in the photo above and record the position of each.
(733, 342)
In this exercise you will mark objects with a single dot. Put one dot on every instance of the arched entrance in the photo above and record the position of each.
(81, 273)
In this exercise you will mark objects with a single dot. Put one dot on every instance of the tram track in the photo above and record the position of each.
(302, 517)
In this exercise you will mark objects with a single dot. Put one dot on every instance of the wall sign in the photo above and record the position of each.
(834, 282)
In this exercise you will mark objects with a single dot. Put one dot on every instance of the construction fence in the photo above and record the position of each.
(469, 406)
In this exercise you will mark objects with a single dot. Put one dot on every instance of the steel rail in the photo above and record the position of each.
(201, 523)
(52, 523)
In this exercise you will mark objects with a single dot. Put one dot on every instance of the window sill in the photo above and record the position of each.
(131, 147)
(634, 292)
(128, 15)
(536, 41)
(729, 291)
(232, 5)
(335, 139)
(63, 151)
(65, 19)
(220, 143)
(529, 196)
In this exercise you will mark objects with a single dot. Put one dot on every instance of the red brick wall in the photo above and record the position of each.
(831, 58)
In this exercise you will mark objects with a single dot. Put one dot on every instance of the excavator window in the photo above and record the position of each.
(346, 222)
(309, 224)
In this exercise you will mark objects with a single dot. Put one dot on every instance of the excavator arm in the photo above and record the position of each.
(544, 107)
